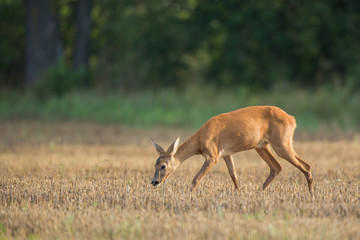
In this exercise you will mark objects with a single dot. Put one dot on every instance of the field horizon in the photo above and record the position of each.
(91, 181)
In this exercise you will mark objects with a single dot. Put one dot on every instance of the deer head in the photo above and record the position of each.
(166, 163)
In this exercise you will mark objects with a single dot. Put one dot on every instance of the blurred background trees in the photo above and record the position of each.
(42, 42)
(172, 62)
(56, 46)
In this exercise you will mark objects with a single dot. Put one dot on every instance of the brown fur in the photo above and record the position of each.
(256, 127)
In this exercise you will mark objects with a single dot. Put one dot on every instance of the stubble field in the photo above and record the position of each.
(86, 181)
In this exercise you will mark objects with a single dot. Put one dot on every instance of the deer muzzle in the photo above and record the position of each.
(155, 180)
(154, 183)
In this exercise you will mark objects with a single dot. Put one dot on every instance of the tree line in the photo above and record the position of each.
(57, 45)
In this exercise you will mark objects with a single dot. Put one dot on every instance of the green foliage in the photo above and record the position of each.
(12, 43)
(2, 231)
(60, 79)
(142, 44)
(313, 109)
(67, 223)
(261, 43)
(156, 43)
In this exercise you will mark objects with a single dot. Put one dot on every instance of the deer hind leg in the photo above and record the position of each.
(286, 151)
(307, 173)
(231, 167)
(275, 167)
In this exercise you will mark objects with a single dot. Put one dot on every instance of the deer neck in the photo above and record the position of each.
(189, 148)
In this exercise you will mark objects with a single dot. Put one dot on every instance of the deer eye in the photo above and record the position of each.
(163, 167)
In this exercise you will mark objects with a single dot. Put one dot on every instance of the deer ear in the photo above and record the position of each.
(158, 148)
(173, 147)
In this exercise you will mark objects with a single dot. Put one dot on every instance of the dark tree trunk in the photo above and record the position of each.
(43, 45)
(83, 26)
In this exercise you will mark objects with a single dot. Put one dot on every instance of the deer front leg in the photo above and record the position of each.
(203, 171)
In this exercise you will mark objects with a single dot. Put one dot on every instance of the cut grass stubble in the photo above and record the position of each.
(50, 189)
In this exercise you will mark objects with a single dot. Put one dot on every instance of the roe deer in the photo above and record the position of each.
(256, 127)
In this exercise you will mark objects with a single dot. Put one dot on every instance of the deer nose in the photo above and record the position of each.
(154, 183)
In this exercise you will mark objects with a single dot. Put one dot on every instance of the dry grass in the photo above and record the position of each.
(93, 182)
